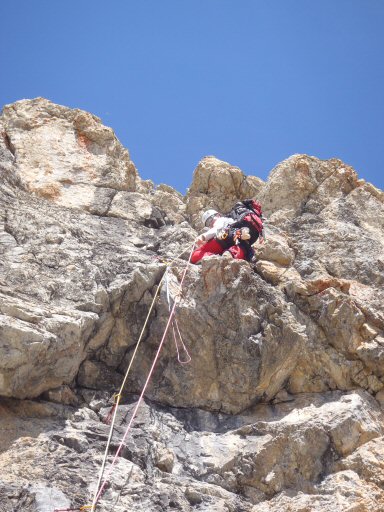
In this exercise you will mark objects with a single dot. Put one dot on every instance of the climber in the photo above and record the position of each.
(232, 234)
(218, 239)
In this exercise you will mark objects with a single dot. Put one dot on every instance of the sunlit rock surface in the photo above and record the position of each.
(281, 406)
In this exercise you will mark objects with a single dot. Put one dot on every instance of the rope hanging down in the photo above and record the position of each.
(111, 417)
(175, 326)
(100, 487)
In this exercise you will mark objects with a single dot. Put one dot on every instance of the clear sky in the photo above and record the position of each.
(249, 81)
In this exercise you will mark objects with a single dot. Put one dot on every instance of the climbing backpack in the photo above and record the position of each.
(248, 213)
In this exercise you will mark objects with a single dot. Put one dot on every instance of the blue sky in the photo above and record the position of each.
(249, 81)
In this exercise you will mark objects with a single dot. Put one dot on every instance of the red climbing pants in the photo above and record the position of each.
(238, 253)
(213, 247)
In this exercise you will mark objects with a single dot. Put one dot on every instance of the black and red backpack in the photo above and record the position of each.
(248, 213)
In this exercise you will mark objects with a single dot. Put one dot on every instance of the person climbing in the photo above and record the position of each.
(212, 242)
(232, 234)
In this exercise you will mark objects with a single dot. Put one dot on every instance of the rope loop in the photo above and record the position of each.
(184, 348)
(116, 398)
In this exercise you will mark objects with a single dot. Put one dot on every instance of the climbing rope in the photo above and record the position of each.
(175, 326)
(100, 487)
(111, 417)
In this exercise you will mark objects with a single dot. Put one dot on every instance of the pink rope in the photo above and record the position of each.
(175, 326)
(189, 358)
(144, 388)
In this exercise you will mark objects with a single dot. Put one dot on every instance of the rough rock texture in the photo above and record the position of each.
(65, 155)
(217, 184)
(281, 406)
(272, 456)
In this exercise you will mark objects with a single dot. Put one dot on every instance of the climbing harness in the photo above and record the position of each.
(222, 234)
(101, 485)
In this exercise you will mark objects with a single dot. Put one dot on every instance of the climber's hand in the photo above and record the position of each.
(245, 234)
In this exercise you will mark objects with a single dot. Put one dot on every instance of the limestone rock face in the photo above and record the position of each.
(57, 304)
(233, 324)
(303, 182)
(217, 184)
(323, 452)
(66, 155)
(281, 404)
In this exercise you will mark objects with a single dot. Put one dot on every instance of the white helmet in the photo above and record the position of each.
(208, 215)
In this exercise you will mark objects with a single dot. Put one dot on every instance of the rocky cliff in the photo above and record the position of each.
(281, 406)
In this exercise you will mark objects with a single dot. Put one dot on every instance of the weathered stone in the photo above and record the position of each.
(340, 492)
(63, 154)
(242, 461)
(164, 459)
(241, 358)
(276, 249)
(367, 461)
(96, 375)
(62, 395)
(40, 352)
(372, 353)
(305, 182)
(301, 329)
(217, 184)
(171, 203)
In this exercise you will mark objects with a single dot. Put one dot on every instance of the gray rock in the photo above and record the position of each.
(275, 411)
